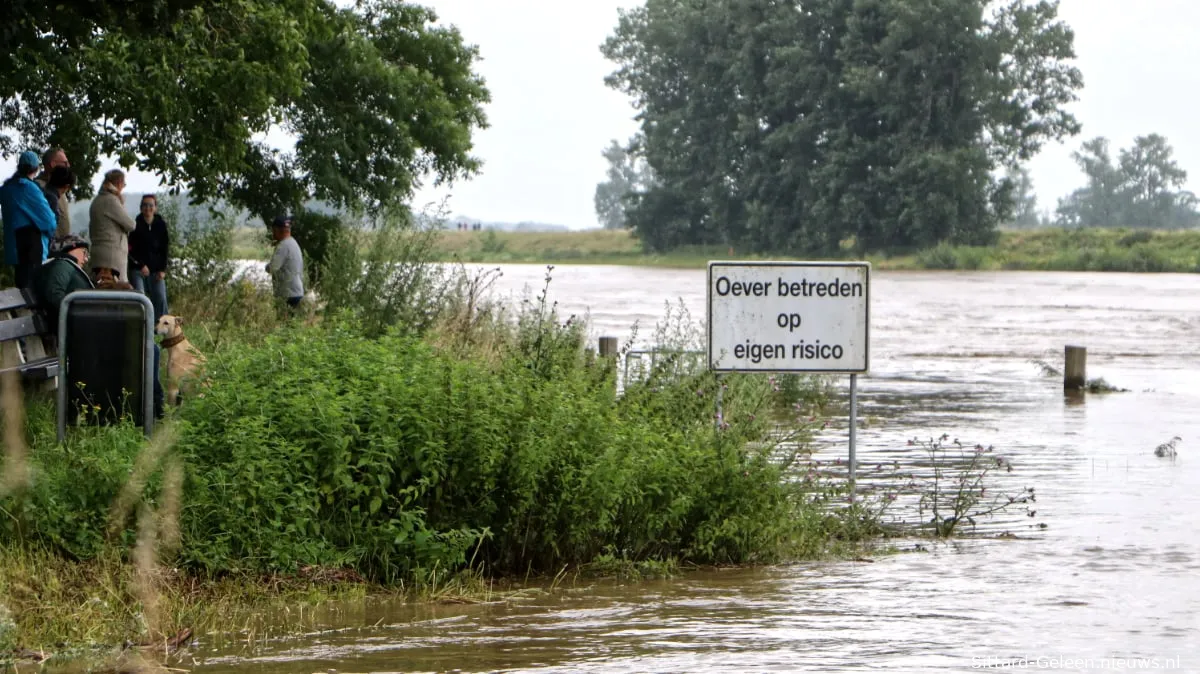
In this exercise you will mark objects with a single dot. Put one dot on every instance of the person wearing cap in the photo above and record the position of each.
(52, 160)
(64, 274)
(287, 264)
(28, 221)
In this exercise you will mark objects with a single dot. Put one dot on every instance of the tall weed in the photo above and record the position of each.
(380, 276)
(59, 510)
(201, 248)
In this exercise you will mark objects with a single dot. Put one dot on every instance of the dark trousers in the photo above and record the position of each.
(29, 255)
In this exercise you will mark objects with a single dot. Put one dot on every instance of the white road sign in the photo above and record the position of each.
(788, 316)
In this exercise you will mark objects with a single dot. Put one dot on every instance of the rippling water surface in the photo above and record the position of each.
(1115, 573)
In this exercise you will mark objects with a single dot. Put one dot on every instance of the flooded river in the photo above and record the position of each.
(1112, 582)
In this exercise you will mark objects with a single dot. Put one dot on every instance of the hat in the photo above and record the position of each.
(67, 243)
(282, 221)
(29, 159)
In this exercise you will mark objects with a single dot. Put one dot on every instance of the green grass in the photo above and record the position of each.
(1123, 250)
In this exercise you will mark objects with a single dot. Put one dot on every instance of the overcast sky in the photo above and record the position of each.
(551, 114)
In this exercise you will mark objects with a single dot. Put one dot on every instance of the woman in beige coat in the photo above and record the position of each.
(109, 229)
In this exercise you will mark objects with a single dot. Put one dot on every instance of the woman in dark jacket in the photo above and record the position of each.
(149, 249)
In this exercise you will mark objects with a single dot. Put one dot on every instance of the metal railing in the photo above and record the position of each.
(674, 362)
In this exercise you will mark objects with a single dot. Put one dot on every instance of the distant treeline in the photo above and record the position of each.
(183, 213)
(884, 126)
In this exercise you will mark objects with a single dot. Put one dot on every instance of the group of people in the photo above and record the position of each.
(33, 204)
(124, 252)
(52, 262)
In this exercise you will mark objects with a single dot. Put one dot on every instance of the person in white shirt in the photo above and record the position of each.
(287, 264)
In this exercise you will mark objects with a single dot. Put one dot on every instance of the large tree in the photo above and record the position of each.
(1143, 187)
(1025, 206)
(377, 96)
(801, 125)
(627, 176)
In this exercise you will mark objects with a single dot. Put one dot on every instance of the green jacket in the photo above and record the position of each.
(55, 280)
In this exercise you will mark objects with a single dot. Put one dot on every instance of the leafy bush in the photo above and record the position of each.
(941, 256)
(503, 447)
(947, 256)
(321, 446)
(318, 235)
(1136, 237)
(201, 249)
(491, 243)
(381, 276)
(66, 508)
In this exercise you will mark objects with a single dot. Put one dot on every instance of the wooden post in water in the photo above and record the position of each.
(608, 347)
(608, 356)
(1075, 369)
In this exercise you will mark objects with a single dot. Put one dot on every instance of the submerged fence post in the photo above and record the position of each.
(1075, 368)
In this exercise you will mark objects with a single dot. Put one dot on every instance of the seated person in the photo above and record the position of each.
(64, 274)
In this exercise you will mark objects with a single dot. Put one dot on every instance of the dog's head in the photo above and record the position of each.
(169, 326)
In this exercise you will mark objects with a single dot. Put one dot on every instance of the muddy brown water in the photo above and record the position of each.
(1111, 582)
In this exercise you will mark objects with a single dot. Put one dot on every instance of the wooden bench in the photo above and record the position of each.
(28, 346)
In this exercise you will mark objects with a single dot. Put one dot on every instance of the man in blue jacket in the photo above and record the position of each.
(29, 223)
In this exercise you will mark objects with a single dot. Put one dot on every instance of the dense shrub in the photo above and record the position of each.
(201, 248)
(318, 235)
(367, 441)
(73, 486)
(320, 446)
(947, 256)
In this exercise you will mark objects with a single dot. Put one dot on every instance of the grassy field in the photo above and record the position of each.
(1123, 250)
(1046, 249)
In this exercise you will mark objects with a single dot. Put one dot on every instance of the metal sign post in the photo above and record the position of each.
(853, 428)
(791, 317)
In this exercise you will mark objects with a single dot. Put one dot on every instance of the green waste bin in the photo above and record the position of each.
(106, 359)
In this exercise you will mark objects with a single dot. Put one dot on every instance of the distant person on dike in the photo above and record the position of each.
(287, 264)
(53, 159)
(149, 251)
(64, 274)
(28, 221)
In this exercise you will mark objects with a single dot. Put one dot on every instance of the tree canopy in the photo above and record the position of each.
(377, 96)
(1142, 188)
(627, 175)
(1025, 205)
(799, 125)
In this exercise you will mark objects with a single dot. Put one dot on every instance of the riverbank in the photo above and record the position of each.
(335, 455)
(1028, 250)
(1051, 249)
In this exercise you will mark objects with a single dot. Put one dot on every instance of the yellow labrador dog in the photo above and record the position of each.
(184, 362)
